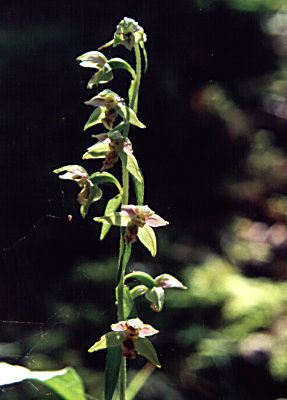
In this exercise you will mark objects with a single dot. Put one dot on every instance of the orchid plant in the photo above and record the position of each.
(128, 336)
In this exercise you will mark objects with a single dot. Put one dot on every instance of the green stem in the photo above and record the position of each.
(134, 100)
(123, 378)
(125, 200)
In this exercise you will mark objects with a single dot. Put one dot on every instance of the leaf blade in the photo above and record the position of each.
(147, 236)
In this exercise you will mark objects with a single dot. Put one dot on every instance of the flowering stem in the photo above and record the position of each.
(123, 378)
(134, 102)
(124, 252)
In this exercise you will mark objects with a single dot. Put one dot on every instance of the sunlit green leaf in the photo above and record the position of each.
(113, 363)
(147, 236)
(105, 177)
(156, 297)
(110, 339)
(112, 205)
(98, 150)
(116, 218)
(129, 115)
(95, 118)
(119, 63)
(131, 164)
(65, 382)
(142, 277)
(146, 349)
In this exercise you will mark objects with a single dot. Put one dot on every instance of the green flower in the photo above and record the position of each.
(128, 33)
(97, 60)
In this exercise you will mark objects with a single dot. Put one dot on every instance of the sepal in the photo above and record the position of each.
(156, 297)
(145, 348)
(112, 205)
(116, 218)
(129, 115)
(110, 339)
(131, 164)
(147, 236)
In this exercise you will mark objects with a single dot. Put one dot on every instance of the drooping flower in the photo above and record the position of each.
(116, 144)
(133, 329)
(153, 288)
(139, 221)
(111, 146)
(108, 101)
(139, 217)
(90, 191)
(108, 106)
(131, 336)
(97, 60)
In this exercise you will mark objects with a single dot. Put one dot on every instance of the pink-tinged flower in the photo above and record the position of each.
(116, 143)
(141, 215)
(90, 192)
(109, 101)
(168, 281)
(134, 328)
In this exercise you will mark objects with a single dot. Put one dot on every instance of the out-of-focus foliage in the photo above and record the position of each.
(247, 5)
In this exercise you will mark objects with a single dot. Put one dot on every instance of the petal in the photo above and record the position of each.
(147, 330)
(119, 326)
(168, 281)
(129, 211)
(103, 137)
(155, 220)
(96, 101)
(95, 57)
(90, 64)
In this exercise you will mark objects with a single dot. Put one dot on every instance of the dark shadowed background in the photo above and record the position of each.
(214, 100)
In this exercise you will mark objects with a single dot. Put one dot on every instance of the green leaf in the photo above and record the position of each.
(112, 205)
(145, 55)
(142, 277)
(65, 382)
(105, 177)
(156, 297)
(146, 349)
(110, 339)
(98, 150)
(147, 236)
(116, 218)
(95, 118)
(113, 363)
(139, 188)
(138, 290)
(124, 259)
(131, 164)
(94, 195)
(128, 303)
(129, 115)
(119, 63)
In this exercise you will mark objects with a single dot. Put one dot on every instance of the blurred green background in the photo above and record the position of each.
(214, 100)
